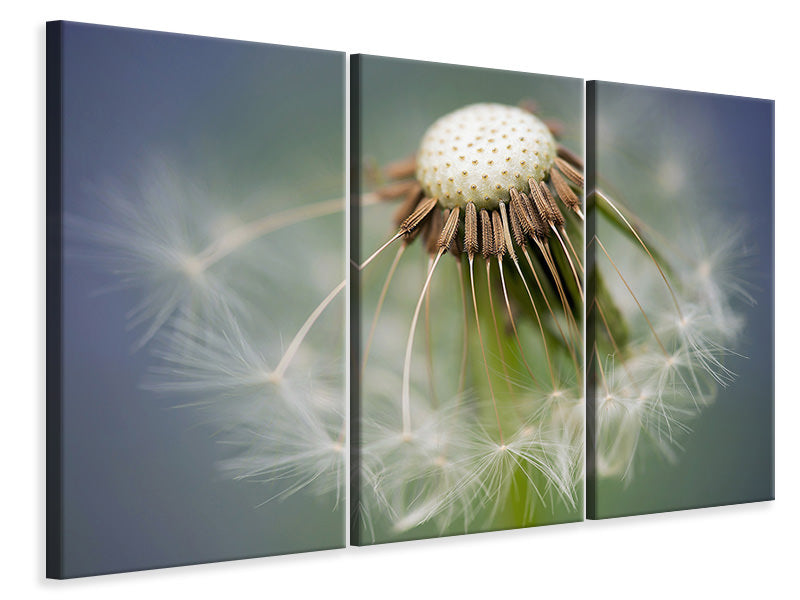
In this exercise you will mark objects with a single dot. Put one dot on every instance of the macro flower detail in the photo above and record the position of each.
(490, 186)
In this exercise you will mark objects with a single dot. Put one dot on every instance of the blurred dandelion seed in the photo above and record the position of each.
(217, 338)
(658, 357)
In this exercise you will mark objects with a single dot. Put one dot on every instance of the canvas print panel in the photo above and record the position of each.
(680, 300)
(468, 409)
(202, 337)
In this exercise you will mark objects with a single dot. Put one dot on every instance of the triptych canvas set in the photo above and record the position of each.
(540, 300)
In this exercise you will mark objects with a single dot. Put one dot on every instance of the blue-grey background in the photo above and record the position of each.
(141, 488)
(728, 457)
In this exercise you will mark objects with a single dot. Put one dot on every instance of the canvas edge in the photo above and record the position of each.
(590, 508)
(355, 295)
(591, 511)
(53, 293)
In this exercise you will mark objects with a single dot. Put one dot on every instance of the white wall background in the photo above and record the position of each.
(734, 48)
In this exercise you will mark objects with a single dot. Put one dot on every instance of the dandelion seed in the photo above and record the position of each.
(669, 347)
(166, 243)
(239, 356)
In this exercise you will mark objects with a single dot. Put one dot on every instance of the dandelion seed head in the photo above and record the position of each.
(486, 149)
(474, 424)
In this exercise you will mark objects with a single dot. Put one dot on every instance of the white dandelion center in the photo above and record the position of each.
(477, 153)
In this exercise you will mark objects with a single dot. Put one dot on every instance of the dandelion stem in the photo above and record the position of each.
(428, 343)
(513, 255)
(548, 259)
(236, 238)
(602, 371)
(514, 326)
(394, 238)
(483, 350)
(497, 329)
(569, 259)
(571, 247)
(462, 376)
(381, 299)
(277, 374)
(406, 392)
(646, 249)
(614, 344)
(567, 341)
(635, 299)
